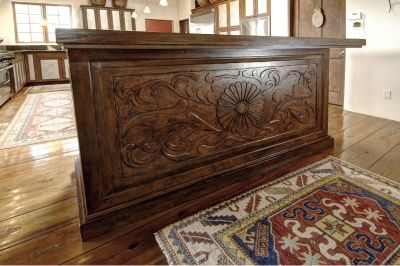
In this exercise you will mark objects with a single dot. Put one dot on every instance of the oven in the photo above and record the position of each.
(6, 87)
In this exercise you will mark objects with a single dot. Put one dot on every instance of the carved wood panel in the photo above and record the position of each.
(165, 119)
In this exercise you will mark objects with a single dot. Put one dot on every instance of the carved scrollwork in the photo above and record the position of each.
(172, 117)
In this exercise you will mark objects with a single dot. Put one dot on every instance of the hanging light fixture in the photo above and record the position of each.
(147, 9)
(43, 23)
(134, 14)
(163, 3)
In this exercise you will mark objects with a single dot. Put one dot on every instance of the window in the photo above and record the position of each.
(37, 23)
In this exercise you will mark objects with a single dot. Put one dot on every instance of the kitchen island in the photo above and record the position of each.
(167, 119)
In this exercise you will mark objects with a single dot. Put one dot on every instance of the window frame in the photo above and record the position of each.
(44, 17)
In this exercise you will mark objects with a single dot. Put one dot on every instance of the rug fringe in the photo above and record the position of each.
(164, 248)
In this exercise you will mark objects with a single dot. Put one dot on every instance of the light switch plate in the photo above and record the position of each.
(387, 95)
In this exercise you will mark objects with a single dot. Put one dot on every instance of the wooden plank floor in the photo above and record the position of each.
(38, 208)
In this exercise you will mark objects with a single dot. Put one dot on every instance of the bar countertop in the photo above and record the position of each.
(77, 38)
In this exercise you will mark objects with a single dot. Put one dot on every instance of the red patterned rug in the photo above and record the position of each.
(42, 117)
(330, 212)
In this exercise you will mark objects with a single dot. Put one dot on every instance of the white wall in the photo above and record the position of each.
(376, 67)
(280, 17)
(168, 13)
(184, 8)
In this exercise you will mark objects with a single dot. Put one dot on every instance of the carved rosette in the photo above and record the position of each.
(240, 107)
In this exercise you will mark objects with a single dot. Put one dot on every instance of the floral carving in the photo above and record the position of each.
(240, 107)
(174, 117)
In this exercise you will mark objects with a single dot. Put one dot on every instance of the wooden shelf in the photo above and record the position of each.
(107, 18)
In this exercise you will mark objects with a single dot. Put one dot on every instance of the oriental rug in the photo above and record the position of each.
(42, 117)
(330, 212)
(48, 88)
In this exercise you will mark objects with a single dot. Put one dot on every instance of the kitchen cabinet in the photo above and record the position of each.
(228, 17)
(46, 67)
(107, 18)
(256, 8)
(20, 77)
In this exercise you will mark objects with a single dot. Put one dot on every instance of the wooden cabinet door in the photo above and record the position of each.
(334, 27)
(50, 66)
(229, 17)
(107, 18)
(256, 8)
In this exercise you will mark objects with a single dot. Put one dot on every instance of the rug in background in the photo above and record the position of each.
(328, 213)
(48, 88)
(42, 117)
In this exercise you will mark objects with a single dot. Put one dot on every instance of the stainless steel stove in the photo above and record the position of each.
(6, 74)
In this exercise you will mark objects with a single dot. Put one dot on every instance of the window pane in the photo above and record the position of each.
(35, 9)
(37, 37)
(24, 37)
(35, 19)
(65, 26)
(222, 16)
(52, 37)
(21, 8)
(262, 6)
(65, 19)
(36, 28)
(249, 7)
(22, 18)
(28, 20)
(64, 11)
(235, 13)
(51, 28)
(51, 19)
(51, 10)
(23, 28)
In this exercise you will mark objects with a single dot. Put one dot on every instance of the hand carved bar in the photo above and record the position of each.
(166, 118)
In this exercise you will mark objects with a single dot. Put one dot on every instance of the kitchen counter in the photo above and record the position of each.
(32, 48)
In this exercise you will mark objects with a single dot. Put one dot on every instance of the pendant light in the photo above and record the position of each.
(147, 9)
(134, 14)
(163, 3)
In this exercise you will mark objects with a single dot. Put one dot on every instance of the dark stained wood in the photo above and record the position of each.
(38, 56)
(58, 56)
(184, 26)
(96, 10)
(154, 130)
(334, 27)
(127, 246)
(42, 173)
(136, 40)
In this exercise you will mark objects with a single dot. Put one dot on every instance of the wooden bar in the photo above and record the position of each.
(165, 118)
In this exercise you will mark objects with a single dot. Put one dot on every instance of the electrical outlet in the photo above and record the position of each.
(387, 95)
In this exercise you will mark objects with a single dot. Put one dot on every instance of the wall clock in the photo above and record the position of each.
(318, 18)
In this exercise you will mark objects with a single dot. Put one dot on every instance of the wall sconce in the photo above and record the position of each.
(43, 23)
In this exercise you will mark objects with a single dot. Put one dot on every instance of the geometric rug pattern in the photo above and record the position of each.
(330, 212)
(42, 117)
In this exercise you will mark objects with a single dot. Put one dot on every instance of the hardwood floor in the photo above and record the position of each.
(38, 208)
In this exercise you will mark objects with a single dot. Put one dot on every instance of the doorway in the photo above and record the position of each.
(184, 26)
